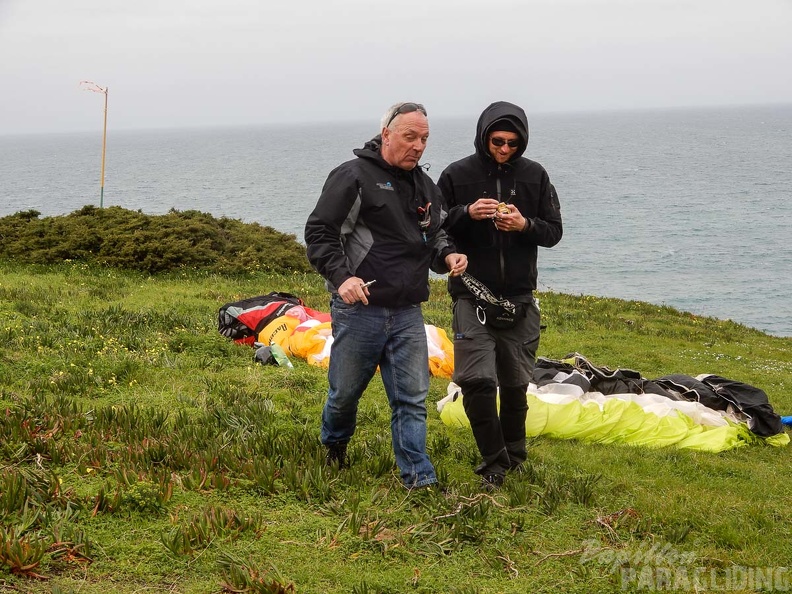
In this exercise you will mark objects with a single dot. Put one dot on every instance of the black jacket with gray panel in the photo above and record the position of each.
(366, 223)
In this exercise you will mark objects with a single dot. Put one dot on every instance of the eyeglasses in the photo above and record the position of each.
(406, 108)
(497, 141)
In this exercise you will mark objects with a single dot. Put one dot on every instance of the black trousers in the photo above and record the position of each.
(499, 434)
(485, 358)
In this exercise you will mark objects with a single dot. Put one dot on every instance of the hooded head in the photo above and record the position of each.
(505, 117)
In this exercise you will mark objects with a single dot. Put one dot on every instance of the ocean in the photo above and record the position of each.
(689, 208)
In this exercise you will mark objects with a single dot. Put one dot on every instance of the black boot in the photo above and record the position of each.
(513, 412)
(517, 453)
(479, 400)
(337, 455)
(491, 482)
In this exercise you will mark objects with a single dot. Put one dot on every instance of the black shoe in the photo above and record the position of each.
(337, 455)
(491, 482)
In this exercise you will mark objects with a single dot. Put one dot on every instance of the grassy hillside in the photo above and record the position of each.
(144, 452)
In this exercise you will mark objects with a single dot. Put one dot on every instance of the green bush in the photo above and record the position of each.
(122, 238)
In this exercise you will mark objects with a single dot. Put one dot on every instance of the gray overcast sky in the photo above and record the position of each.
(174, 63)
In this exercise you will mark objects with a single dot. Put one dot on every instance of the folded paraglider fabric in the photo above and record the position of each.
(283, 319)
(567, 403)
(571, 397)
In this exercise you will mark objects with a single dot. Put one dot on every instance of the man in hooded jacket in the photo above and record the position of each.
(502, 207)
(373, 235)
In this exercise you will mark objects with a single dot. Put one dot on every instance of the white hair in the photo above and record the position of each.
(390, 116)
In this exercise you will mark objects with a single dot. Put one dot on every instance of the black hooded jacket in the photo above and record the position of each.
(504, 261)
(366, 224)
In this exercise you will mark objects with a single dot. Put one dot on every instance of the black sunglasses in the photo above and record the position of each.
(406, 108)
(496, 141)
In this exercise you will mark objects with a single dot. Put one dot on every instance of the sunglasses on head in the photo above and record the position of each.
(406, 108)
(496, 141)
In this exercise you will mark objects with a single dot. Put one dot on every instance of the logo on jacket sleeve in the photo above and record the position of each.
(385, 186)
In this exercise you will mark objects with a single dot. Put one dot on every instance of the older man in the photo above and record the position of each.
(373, 235)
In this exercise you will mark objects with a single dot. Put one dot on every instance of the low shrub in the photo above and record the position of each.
(123, 238)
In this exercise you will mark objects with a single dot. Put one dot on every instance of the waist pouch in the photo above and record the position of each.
(491, 310)
(498, 316)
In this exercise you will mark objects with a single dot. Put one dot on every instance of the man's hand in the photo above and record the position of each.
(456, 263)
(352, 291)
(483, 208)
(514, 221)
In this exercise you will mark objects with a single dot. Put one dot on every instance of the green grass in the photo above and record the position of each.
(144, 452)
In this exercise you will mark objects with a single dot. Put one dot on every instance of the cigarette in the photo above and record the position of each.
(368, 284)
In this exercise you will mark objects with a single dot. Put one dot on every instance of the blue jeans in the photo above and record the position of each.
(367, 336)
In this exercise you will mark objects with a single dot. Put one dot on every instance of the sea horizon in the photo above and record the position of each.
(352, 121)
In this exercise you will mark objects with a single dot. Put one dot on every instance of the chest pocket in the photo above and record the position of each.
(383, 211)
